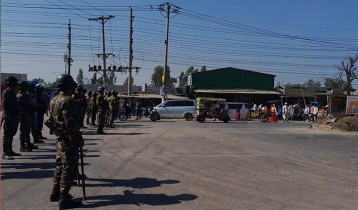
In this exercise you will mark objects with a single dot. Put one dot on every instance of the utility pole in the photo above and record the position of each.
(69, 59)
(166, 53)
(104, 56)
(130, 52)
(168, 8)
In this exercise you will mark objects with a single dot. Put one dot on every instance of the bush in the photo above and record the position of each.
(347, 123)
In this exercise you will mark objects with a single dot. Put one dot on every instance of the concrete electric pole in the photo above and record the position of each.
(168, 8)
(130, 52)
(104, 55)
(69, 59)
(166, 53)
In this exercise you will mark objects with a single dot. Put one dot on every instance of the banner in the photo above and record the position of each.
(352, 105)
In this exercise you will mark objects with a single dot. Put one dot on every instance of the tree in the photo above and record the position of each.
(94, 79)
(181, 79)
(334, 83)
(191, 70)
(126, 81)
(40, 80)
(312, 83)
(290, 85)
(111, 78)
(347, 69)
(80, 77)
(203, 68)
(157, 77)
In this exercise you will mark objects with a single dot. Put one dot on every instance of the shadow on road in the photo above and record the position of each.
(129, 197)
(107, 134)
(34, 174)
(137, 183)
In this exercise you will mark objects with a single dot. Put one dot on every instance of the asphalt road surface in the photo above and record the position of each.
(174, 164)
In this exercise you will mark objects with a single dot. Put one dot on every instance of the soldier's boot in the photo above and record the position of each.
(24, 147)
(37, 140)
(11, 152)
(66, 201)
(31, 145)
(5, 153)
(55, 194)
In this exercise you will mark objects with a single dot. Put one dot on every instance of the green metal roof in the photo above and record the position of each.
(232, 78)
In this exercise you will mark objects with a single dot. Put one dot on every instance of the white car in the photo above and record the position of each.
(243, 107)
(177, 109)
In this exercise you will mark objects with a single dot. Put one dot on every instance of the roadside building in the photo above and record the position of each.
(235, 85)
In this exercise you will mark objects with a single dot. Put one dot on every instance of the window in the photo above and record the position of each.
(178, 103)
(189, 103)
(234, 106)
(167, 104)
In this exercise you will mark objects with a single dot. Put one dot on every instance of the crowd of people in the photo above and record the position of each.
(286, 113)
(24, 105)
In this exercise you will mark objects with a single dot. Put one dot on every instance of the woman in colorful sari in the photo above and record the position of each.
(273, 113)
(237, 117)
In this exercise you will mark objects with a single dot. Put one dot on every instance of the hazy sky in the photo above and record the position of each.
(295, 40)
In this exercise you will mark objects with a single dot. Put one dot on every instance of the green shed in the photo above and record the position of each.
(231, 78)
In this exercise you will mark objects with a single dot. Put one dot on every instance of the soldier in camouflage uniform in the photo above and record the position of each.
(81, 104)
(94, 108)
(89, 107)
(115, 107)
(31, 92)
(110, 100)
(64, 115)
(27, 108)
(108, 112)
(102, 109)
(9, 117)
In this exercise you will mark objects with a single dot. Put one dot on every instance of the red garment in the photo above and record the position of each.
(274, 117)
(237, 118)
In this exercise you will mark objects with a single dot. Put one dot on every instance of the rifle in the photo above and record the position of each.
(58, 133)
(83, 175)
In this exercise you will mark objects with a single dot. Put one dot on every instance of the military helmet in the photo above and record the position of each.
(11, 80)
(100, 88)
(89, 93)
(38, 86)
(65, 79)
(113, 92)
(23, 84)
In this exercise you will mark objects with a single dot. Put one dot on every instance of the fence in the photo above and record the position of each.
(338, 104)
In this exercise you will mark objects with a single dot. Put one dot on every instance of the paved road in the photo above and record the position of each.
(188, 165)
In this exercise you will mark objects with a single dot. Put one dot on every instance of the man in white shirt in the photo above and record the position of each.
(285, 112)
(306, 112)
(315, 112)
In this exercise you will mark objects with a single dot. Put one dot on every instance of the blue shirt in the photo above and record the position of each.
(53, 95)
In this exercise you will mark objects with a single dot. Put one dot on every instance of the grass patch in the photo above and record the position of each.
(347, 123)
(343, 122)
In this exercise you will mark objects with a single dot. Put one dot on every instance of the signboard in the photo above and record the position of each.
(352, 105)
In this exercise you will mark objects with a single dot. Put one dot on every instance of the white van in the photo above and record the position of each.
(242, 106)
(177, 109)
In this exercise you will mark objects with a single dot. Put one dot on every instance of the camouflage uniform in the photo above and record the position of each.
(115, 108)
(94, 108)
(9, 119)
(80, 105)
(110, 101)
(27, 109)
(64, 114)
(89, 108)
(102, 109)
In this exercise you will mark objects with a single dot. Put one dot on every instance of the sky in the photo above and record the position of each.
(294, 40)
